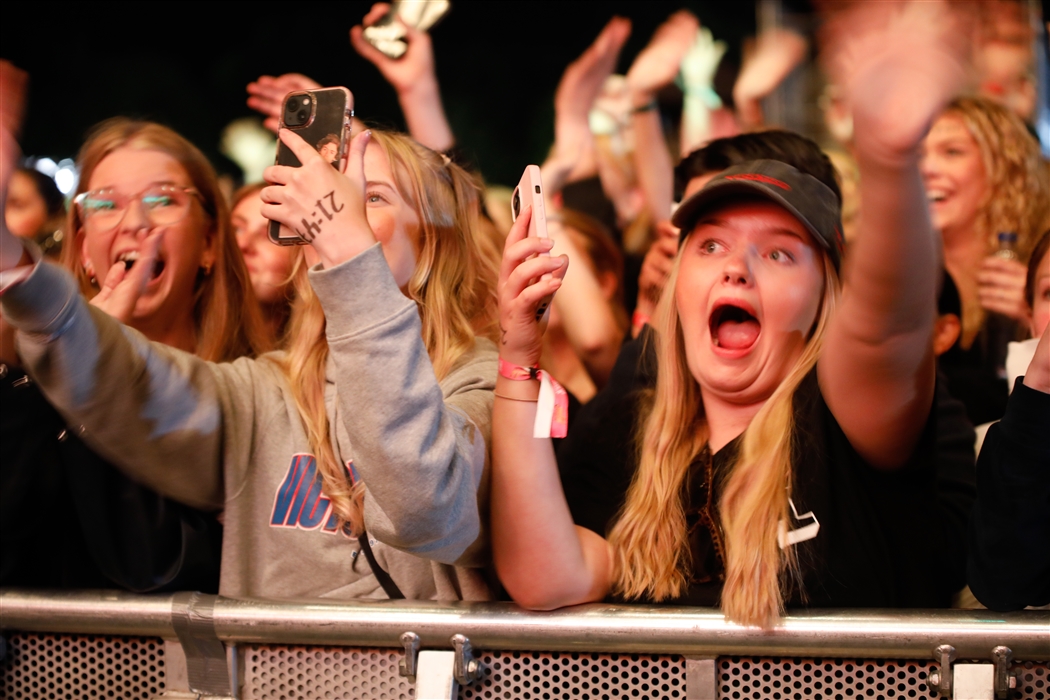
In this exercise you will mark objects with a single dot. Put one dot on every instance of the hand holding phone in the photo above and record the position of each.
(529, 193)
(388, 33)
(321, 118)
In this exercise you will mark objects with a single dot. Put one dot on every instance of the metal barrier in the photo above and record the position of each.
(108, 644)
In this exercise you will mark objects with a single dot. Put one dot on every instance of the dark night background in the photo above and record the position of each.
(186, 65)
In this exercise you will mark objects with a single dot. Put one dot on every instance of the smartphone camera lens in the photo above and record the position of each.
(293, 104)
(516, 203)
(303, 115)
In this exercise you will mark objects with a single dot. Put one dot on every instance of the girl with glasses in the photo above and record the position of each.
(350, 466)
(99, 527)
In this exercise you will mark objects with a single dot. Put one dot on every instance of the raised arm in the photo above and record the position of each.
(900, 63)
(532, 529)
(656, 66)
(414, 78)
(589, 322)
(418, 446)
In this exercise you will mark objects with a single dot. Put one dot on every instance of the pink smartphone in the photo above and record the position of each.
(529, 193)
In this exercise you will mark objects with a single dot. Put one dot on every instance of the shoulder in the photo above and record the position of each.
(475, 369)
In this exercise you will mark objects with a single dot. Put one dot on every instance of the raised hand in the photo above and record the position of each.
(579, 88)
(414, 78)
(656, 268)
(658, 63)
(898, 64)
(404, 73)
(324, 207)
(12, 104)
(776, 54)
(521, 288)
(1000, 288)
(267, 94)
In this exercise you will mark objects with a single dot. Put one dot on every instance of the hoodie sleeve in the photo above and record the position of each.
(155, 412)
(420, 446)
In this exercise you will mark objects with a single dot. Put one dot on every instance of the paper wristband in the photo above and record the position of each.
(552, 407)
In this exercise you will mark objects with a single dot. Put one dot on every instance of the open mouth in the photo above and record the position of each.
(935, 196)
(132, 256)
(734, 327)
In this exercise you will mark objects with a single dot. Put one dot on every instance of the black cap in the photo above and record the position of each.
(811, 201)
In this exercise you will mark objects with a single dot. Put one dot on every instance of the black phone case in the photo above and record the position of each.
(332, 109)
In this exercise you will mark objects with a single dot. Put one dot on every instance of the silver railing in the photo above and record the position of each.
(202, 629)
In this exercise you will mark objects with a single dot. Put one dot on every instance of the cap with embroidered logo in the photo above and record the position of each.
(812, 202)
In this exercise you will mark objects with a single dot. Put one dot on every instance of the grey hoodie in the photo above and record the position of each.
(228, 436)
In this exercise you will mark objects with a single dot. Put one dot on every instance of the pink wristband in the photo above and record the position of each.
(552, 407)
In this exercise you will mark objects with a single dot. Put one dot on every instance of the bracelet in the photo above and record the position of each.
(517, 372)
(639, 319)
(648, 107)
(512, 398)
(552, 405)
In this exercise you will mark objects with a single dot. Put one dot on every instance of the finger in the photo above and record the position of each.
(994, 262)
(355, 156)
(378, 11)
(272, 123)
(306, 153)
(365, 49)
(530, 270)
(529, 299)
(113, 278)
(519, 229)
(273, 195)
(998, 278)
(279, 174)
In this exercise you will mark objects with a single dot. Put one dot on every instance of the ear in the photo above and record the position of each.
(607, 282)
(945, 333)
(209, 255)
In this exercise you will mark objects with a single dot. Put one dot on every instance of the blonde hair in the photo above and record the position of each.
(228, 320)
(453, 284)
(650, 541)
(1018, 192)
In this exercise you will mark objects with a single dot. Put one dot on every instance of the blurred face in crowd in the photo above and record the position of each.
(269, 266)
(748, 292)
(953, 171)
(393, 220)
(1041, 298)
(25, 212)
(186, 247)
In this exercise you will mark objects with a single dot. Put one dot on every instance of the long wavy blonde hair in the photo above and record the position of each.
(650, 540)
(228, 320)
(453, 284)
(1018, 192)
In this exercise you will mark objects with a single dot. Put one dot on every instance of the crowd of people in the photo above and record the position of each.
(734, 399)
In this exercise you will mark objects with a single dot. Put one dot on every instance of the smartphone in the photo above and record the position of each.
(529, 193)
(388, 36)
(322, 118)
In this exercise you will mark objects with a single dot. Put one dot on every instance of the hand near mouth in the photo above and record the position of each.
(125, 284)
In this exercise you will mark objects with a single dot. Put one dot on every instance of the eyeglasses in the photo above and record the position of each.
(163, 205)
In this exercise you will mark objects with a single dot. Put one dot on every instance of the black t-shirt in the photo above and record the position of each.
(886, 539)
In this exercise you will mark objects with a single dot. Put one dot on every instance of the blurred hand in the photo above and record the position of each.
(658, 63)
(1000, 288)
(898, 64)
(700, 63)
(322, 206)
(122, 287)
(521, 288)
(577, 91)
(414, 68)
(266, 95)
(12, 104)
(776, 54)
(656, 267)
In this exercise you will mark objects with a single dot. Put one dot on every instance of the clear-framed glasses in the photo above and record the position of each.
(162, 205)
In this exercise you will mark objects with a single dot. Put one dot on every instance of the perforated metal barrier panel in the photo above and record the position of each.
(40, 666)
(60, 666)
